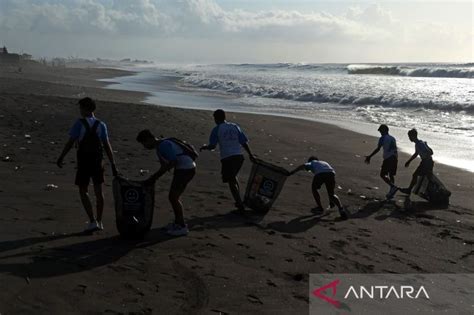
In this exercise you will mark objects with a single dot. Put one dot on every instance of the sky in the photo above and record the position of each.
(254, 31)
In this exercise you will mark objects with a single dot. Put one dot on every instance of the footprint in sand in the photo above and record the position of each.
(224, 236)
(253, 299)
(415, 266)
(301, 297)
(243, 245)
(219, 312)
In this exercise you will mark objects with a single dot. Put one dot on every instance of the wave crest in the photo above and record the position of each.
(455, 71)
(301, 95)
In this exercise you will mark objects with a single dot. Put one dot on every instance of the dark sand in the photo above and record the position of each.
(228, 263)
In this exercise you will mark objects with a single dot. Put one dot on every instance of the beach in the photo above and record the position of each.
(229, 263)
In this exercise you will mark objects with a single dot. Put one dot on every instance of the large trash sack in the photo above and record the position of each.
(432, 189)
(264, 185)
(134, 206)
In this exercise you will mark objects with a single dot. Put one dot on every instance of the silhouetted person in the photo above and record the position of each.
(92, 136)
(323, 174)
(231, 140)
(390, 159)
(426, 165)
(172, 154)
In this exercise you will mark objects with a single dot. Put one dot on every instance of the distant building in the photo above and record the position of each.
(6, 57)
(26, 57)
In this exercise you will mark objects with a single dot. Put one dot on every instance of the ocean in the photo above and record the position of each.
(437, 99)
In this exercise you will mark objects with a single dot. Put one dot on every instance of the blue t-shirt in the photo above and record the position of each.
(78, 130)
(423, 150)
(168, 151)
(389, 145)
(318, 167)
(230, 138)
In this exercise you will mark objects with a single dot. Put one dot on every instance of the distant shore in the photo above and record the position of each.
(228, 263)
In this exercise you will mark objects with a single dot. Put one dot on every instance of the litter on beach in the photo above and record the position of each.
(51, 187)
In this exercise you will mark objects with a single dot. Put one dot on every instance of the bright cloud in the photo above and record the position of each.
(166, 21)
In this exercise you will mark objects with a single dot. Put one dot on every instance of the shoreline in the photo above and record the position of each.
(153, 97)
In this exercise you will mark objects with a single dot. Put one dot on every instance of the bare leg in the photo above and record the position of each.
(99, 197)
(177, 207)
(392, 179)
(332, 197)
(235, 190)
(317, 198)
(86, 202)
(389, 180)
(414, 179)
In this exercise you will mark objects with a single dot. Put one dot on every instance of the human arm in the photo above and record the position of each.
(368, 157)
(67, 148)
(110, 155)
(244, 142)
(168, 160)
(213, 139)
(299, 168)
(249, 151)
(165, 167)
(411, 158)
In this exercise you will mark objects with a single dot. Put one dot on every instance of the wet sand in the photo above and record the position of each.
(228, 263)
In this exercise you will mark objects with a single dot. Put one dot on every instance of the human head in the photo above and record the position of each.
(312, 158)
(383, 129)
(219, 116)
(147, 139)
(86, 106)
(413, 135)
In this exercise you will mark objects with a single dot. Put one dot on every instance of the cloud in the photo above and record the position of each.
(183, 18)
(82, 16)
(167, 22)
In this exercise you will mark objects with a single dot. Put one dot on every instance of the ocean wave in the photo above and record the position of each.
(450, 71)
(301, 95)
(292, 66)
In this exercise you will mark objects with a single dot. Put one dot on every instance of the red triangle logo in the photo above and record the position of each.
(320, 293)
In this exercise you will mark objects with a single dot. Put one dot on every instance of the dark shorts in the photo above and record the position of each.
(389, 166)
(230, 167)
(181, 179)
(425, 168)
(87, 170)
(328, 178)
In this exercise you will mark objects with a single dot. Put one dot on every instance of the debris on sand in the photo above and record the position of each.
(51, 187)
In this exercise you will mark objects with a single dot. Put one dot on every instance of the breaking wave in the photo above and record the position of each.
(302, 95)
(449, 71)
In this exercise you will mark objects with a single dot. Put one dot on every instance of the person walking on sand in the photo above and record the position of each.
(178, 155)
(390, 159)
(323, 174)
(231, 140)
(92, 137)
(426, 165)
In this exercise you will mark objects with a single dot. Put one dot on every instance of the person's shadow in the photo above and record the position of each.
(407, 209)
(72, 258)
(231, 219)
(298, 225)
